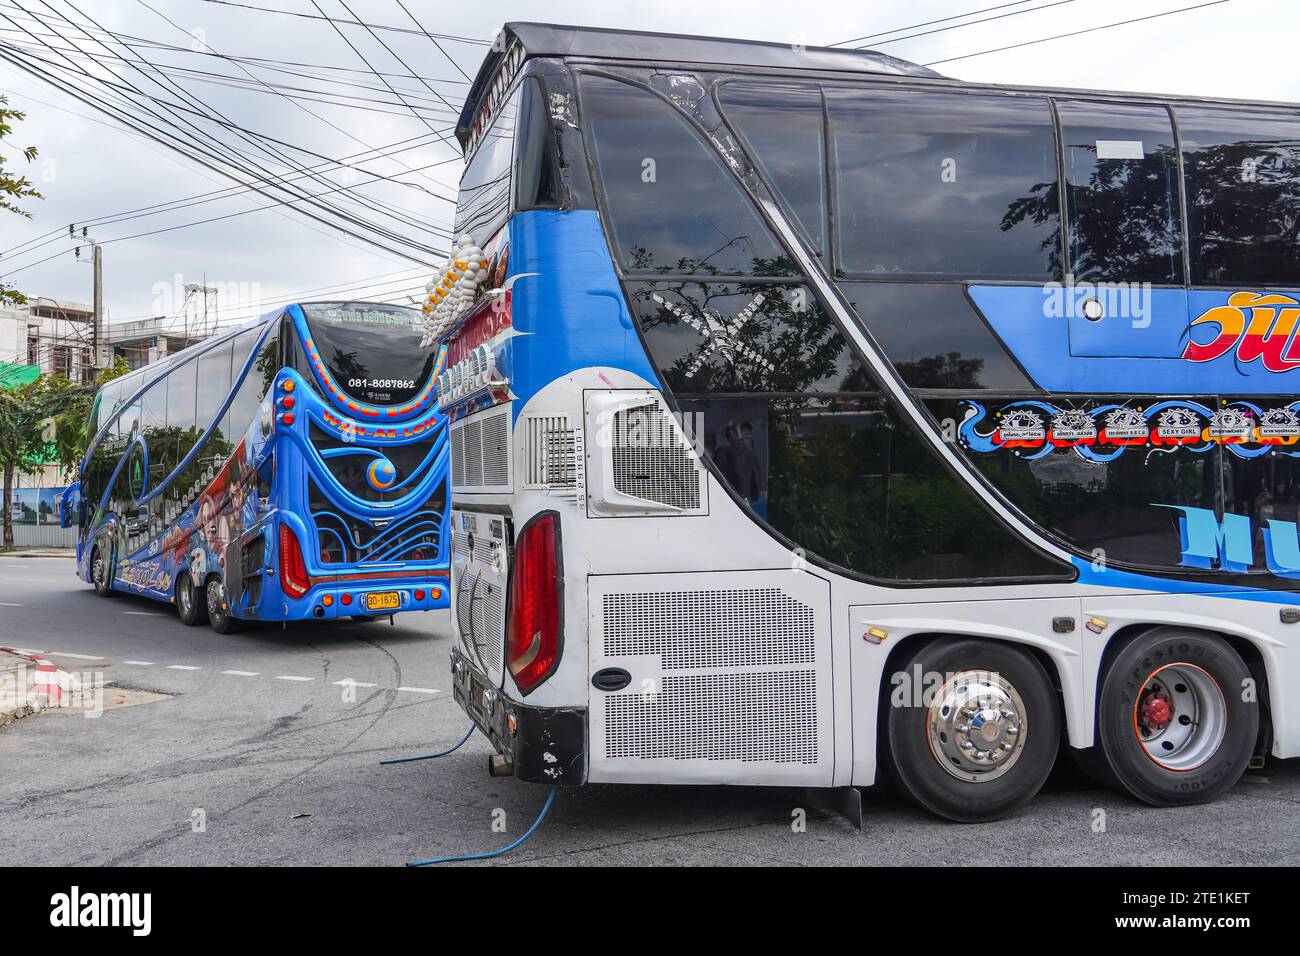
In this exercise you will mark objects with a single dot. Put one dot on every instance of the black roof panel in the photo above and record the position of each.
(547, 39)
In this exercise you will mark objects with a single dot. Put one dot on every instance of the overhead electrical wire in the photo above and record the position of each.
(1075, 33)
(191, 137)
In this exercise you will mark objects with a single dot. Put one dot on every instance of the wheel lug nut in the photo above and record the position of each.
(963, 728)
(1013, 729)
(967, 745)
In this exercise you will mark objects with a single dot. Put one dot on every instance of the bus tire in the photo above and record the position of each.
(1171, 719)
(191, 608)
(219, 616)
(101, 570)
(978, 738)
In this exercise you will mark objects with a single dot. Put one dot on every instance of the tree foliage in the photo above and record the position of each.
(13, 188)
(45, 422)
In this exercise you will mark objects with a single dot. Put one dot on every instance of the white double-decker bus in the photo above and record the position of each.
(815, 417)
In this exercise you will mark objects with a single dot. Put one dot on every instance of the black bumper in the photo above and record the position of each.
(546, 744)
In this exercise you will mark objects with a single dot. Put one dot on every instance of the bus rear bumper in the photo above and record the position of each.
(545, 744)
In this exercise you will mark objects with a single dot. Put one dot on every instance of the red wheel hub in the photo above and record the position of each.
(1157, 711)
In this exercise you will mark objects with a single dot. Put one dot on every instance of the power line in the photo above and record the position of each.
(1075, 33)
(356, 23)
(204, 170)
(958, 26)
(223, 153)
(179, 145)
(432, 40)
(913, 26)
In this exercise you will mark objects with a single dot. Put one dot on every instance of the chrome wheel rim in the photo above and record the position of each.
(216, 597)
(1180, 716)
(97, 569)
(185, 597)
(976, 725)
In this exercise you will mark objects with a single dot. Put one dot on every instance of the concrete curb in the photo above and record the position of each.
(40, 553)
(30, 684)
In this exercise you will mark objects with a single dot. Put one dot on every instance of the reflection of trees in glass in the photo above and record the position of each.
(346, 366)
(640, 259)
(803, 347)
(855, 487)
(1124, 220)
(1244, 202)
(942, 371)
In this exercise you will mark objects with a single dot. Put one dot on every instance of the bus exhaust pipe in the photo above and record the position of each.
(500, 765)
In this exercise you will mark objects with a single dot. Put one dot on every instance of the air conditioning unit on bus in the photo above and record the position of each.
(640, 461)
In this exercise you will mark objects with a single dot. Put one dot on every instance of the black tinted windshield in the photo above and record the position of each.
(372, 351)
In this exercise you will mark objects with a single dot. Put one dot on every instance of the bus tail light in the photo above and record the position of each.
(533, 641)
(293, 570)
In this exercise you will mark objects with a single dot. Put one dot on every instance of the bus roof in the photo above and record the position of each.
(547, 39)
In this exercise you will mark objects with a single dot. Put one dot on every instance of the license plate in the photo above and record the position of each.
(383, 601)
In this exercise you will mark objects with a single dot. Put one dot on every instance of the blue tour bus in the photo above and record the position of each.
(291, 467)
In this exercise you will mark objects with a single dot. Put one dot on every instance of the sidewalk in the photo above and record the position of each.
(40, 553)
(28, 685)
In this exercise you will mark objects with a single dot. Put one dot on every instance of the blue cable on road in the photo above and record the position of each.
(432, 756)
(550, 798)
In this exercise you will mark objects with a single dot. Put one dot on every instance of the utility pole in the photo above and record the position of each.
(98, 325)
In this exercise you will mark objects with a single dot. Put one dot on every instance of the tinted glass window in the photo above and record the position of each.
(153, 423)
(484, 200)
(537, 174)
(1121, 173)
(671, 204)
(782, 132)
(934, 336)
(850, 482)
(1243, 196)
(371, 351)
(248, 400)
(181, 388)
(109, 397)
(213, 385)
(733, 337)
(1108, 508)
(944, 184)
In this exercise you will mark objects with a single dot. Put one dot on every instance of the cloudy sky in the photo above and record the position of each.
(90, 167)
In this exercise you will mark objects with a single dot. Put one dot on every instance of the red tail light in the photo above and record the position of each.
(293, 570)
(533, 630)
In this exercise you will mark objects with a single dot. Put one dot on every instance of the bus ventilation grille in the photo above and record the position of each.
(739, 676)
(480, 453)
(479, 599)
(652, 458)
(553, 453)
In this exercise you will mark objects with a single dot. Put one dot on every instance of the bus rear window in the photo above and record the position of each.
(371, 351)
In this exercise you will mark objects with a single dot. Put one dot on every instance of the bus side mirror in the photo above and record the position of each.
(70, 503)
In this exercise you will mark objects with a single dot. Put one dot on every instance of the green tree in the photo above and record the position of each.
(13, 189)
(42, 422)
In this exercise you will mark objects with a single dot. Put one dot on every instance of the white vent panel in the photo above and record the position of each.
(731, 678)
(480, 453)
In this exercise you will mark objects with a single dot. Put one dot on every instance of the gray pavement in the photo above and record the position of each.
(246, 749)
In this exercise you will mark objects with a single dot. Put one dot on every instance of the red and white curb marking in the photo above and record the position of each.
(49, 685)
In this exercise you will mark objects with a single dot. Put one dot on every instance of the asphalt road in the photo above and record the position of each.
(259, 755)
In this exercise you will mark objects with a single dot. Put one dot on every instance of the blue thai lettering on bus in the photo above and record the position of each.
(1228, 545)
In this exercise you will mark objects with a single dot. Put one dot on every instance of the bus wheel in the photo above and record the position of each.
(101, 571)
(978, 737)
(219, 615)
(192, 611)
(1171, 720)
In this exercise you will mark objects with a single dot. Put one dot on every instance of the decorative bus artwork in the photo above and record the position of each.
(288, 469)
(751, 418)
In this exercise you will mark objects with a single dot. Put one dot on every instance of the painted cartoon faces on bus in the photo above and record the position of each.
(1034, 429)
